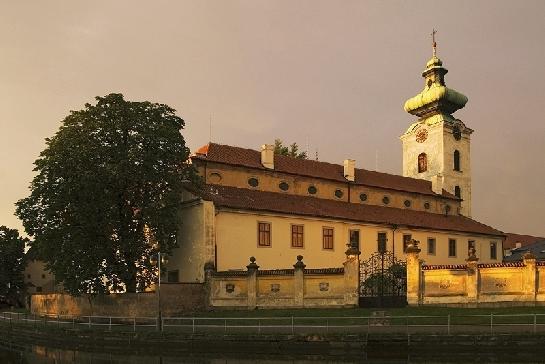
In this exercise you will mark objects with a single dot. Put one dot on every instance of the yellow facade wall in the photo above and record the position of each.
(195, 241)
(235, 176)
(38, 279)
(236, 239)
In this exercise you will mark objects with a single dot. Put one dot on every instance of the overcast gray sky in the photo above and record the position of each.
(330, 74)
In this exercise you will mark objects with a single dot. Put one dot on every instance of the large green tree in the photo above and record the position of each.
(291, 151)
(12, 263)
(112, 169)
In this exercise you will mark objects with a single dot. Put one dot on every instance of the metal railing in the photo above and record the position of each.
(437, 325)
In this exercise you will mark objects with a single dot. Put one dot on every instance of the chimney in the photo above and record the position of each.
(267, 156)
(349, 165)
(437, 183)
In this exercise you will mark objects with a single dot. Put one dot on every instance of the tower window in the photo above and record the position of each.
(457, 191)
(422, 162)
(456, 160)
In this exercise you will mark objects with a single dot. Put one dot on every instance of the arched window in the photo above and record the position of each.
(456, 160)
(457, 191)
(422, 162)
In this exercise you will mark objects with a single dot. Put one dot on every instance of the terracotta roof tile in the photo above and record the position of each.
(254, 200)
(304, 167)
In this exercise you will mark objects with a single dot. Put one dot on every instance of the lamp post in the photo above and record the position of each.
(157, 259)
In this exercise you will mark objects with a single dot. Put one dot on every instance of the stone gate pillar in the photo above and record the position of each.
(472, 283)
(352, 277)
(530, 276)
(209, 270)
(252, 283)
(414, 274)
(299, 282)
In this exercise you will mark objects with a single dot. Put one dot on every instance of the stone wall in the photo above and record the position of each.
(285, 288)
(176, 299)
(475, 284)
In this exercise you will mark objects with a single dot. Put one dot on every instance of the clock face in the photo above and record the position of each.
(457, 133)
(421, 135)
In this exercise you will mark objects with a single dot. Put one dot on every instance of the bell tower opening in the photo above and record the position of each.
(422, 163)
(437, 143)
(456, 158)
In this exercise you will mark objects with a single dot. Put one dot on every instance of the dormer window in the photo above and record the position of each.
(422, 162)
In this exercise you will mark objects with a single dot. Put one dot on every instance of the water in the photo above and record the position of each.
(41, 354)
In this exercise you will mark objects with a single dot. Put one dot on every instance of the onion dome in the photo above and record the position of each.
(436, 98)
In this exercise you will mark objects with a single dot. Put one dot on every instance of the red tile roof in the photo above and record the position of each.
(250, 158)
(254, 200)
(512, 239)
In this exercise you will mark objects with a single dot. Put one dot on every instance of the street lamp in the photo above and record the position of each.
(158, 259)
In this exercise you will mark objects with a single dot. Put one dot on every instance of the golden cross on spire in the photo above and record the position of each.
(434, 43)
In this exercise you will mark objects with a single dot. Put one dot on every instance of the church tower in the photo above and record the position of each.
(436, 147)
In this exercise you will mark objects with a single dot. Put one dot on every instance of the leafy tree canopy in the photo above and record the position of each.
(12, 263)
(111, 170)
(291, 151)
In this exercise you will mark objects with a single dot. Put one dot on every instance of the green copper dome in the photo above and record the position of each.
(436, 98)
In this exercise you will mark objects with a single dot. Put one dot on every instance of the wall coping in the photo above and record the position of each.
(444, 266)
(480, 265)
(278, 272)
(501, 265)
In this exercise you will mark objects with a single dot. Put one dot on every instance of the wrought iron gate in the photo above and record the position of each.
(383, 281)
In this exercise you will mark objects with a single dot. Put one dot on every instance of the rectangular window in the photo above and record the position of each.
(431, 246)
(297, 236)
(406, 241)
(355, 239)
(381, 242)
(173, 276)
(451, 247)
(38, 289)
(327, 238)
(493, 250)
(470, 247)
(263, 234)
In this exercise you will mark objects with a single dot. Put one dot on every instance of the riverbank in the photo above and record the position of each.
(333, 344)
